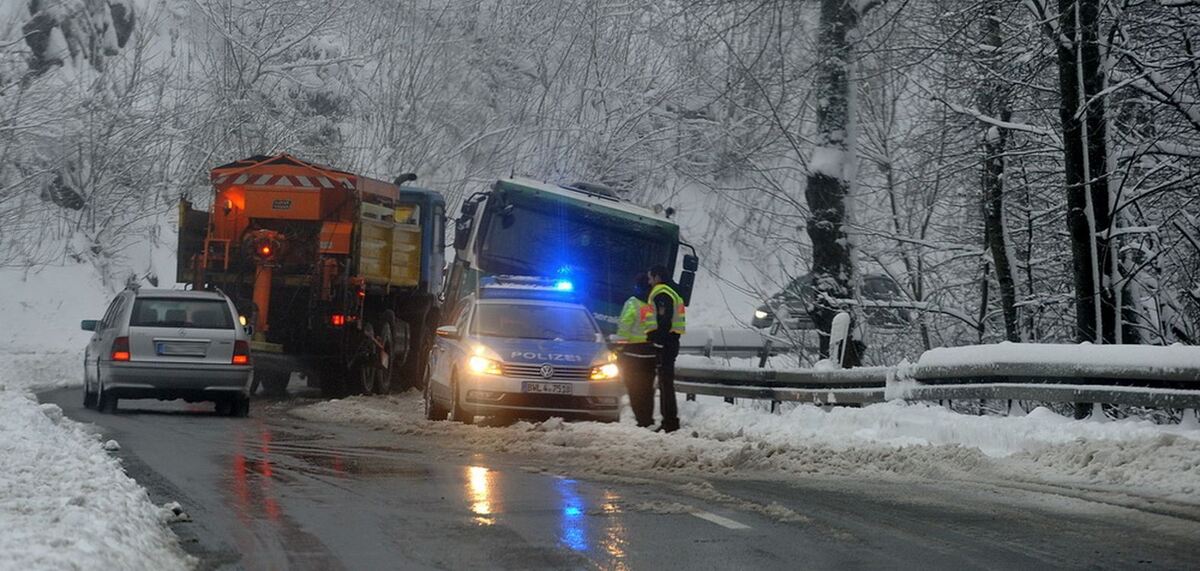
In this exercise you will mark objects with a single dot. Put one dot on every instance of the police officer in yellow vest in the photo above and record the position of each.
(635, 355)
(671, 316)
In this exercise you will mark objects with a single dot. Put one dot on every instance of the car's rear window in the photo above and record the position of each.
(183, 313)
(526, 321)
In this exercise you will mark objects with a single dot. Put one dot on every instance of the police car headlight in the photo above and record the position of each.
(760, 314)
(483, 366)
(605, 372)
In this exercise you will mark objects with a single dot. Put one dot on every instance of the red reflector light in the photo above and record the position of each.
(120, 349)
(241, 353)
(337, 320)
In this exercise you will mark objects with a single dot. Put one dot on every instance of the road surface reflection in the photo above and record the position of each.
(588, 524)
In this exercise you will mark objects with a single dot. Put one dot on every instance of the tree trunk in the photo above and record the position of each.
(1085, 162)
(827, 184)
(996, 101)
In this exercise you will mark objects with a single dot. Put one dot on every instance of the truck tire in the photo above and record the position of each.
(394, 335)
(420, 345)
(365, 372)
(275, 383)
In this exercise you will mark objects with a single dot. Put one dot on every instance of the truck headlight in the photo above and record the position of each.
(760, 314)
(605, 372)
(483, 366)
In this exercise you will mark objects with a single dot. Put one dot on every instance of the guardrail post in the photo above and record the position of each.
(1189, 419)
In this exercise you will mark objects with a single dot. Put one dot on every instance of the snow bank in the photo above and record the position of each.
(1174, 362)
(41, 309)
(65, 503)
(891, 439)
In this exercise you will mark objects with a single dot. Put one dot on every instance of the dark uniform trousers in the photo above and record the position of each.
(666, 381)
(637, 364)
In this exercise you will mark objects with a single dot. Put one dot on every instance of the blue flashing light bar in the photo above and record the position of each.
(526, 287)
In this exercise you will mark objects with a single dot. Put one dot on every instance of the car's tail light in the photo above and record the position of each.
(120, 349)
(337, 320)
(241, 353)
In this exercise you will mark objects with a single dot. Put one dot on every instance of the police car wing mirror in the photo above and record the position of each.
(88, 324)
(691, 262)
(448, 331)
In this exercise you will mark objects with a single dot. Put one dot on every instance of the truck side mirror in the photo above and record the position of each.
(691, 263)
(687, 281)
(462, 232)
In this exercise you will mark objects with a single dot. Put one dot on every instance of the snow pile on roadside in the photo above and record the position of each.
(42, 308)
(880, 440)
(64, 503)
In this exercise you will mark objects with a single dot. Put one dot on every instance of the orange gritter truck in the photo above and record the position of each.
(337, 275)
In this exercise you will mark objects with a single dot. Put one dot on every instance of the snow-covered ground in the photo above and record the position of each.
(885, 441)
(65, 502)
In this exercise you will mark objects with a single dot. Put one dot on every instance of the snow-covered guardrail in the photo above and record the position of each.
(1139, 375)
(731, 342)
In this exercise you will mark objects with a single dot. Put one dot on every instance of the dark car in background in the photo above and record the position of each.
(790, 306)
(168, 344)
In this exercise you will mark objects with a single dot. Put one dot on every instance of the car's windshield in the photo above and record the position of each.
(598, 252)
(527, 321)
(182, 313)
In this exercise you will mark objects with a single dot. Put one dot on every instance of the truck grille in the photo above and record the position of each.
(524, 371)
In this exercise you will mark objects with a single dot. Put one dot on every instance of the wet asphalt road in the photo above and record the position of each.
(276, 492)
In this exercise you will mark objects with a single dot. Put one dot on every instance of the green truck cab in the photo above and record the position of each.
(580, 234)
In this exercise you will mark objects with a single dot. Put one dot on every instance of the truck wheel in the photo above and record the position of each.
(275, 384)
(420, 346)
(366, 371)
(397, 341)
(383, 377)
(457, 413)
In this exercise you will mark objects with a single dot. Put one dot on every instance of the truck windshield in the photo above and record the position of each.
(600, 254)
(525, 321)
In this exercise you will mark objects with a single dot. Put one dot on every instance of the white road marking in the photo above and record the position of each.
(719, 520)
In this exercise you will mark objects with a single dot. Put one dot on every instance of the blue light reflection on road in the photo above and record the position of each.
(573, 520)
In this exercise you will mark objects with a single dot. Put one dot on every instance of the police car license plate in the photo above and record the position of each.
(546, 388)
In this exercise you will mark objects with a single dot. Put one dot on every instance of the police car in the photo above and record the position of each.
(521, 347)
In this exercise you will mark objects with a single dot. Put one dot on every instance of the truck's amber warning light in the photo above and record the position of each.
(337, 320)
(265, 250)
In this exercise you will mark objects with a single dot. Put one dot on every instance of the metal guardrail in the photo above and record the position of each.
(1082, 383)
(730, 342)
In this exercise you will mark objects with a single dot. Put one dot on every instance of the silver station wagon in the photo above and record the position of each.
(168, 344)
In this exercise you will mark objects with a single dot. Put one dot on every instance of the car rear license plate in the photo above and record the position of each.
(177, 349)
(546, 388)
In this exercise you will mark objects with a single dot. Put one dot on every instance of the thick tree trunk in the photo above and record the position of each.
(995, 101)
(827, 187)
(1085, 162)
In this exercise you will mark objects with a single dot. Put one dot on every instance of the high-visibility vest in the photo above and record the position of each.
(637, 319)
(679, 320)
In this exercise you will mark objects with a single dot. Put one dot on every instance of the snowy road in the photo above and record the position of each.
(275, 491)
